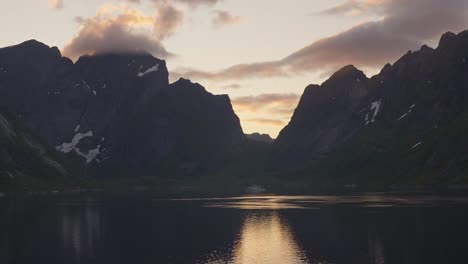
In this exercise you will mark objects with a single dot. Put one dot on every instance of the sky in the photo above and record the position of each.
(262, 53)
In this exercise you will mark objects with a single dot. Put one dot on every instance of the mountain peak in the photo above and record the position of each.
(33, 43)
(346, 73)
(34, 47)
(447, 38)
(183, 81)
(425, 48)
(130, 58)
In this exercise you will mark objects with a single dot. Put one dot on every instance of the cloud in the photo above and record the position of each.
(56, 4)
(195, 3)
(239, 71)
(403, 25)
(224, 18)
(275, 102)
(190, 3)
(232, 86)
(168, 19)
(353, 7)
(116, 28)
(267, 121)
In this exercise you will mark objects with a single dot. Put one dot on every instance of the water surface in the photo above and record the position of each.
(372, 228)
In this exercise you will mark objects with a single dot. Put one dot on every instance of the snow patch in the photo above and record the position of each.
(375, 109)
(152, 69)
(10, 175)
(407, 113)
(104, 86)
(6, 128)
(417, 145)
(77, 128)
(86, 84)
(91, 155)
(71, 146)
(67, 147)
(94, 92)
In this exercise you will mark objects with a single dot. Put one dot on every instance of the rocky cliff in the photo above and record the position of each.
(406, 125)
(117, 112)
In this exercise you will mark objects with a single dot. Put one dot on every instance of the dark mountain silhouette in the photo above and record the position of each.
(260, 137)
(117, 113)
(324, 118)
(407, 125)
(26, 161)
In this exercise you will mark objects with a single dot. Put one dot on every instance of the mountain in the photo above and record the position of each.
(260, 137)
(117, 113)
(324, 118)
(405, 126)
(25, 160)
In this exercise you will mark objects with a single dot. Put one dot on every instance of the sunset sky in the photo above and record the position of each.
(263, 53)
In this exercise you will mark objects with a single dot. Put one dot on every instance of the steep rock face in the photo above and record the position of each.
(325, 117)
(183, 130)
(114, 110)
(419, 130)
(24, 158)
(409, 128)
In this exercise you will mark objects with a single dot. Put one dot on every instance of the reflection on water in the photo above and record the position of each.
(371, 200)
(376, 249)
(371, 229)
(79, 230)
(257, 203)
(264, 238)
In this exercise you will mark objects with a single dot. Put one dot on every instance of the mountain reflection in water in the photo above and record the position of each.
(79, 230)
(368, 229)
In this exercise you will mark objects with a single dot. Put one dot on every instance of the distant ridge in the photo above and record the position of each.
(260, 137)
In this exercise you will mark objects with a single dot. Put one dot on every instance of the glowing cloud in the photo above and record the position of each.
(56, 4)
(224, 18)
(116, 28)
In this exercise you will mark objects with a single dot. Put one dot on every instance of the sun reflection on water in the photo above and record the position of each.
(264, 238)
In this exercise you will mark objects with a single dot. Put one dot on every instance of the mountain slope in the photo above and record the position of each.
(117, 113)
(323, 119)
(409, 129)
(25, 161)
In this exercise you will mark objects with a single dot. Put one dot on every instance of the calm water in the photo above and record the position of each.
(269, 229)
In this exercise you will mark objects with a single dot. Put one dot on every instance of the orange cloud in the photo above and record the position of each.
(224, 18)
(267, 121)
(117, 28)
(56, 4)
(272, 102)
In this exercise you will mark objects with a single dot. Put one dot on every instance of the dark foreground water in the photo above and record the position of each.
(271, 229)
